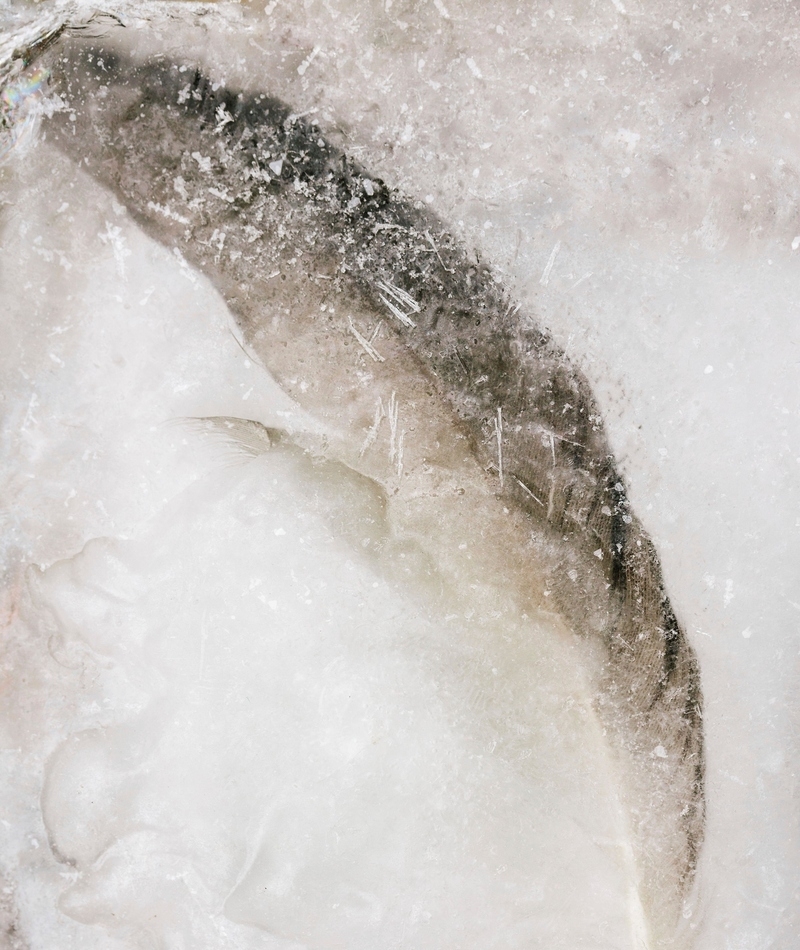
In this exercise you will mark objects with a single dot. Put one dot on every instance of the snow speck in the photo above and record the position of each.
(728, 591)
(308, 61)
(473, 68)
(203, 161)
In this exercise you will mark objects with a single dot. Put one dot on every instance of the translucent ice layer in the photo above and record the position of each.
(268, 703)
(437, 775)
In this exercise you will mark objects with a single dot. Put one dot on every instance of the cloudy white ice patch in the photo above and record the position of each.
(708, 456)
(259, 710)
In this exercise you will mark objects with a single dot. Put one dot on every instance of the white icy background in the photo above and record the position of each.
(661, 152)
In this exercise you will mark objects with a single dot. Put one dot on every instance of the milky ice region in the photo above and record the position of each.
(310, 637)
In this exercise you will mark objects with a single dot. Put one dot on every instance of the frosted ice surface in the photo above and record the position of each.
(262, 692)
(262, 696)
(271, 716)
